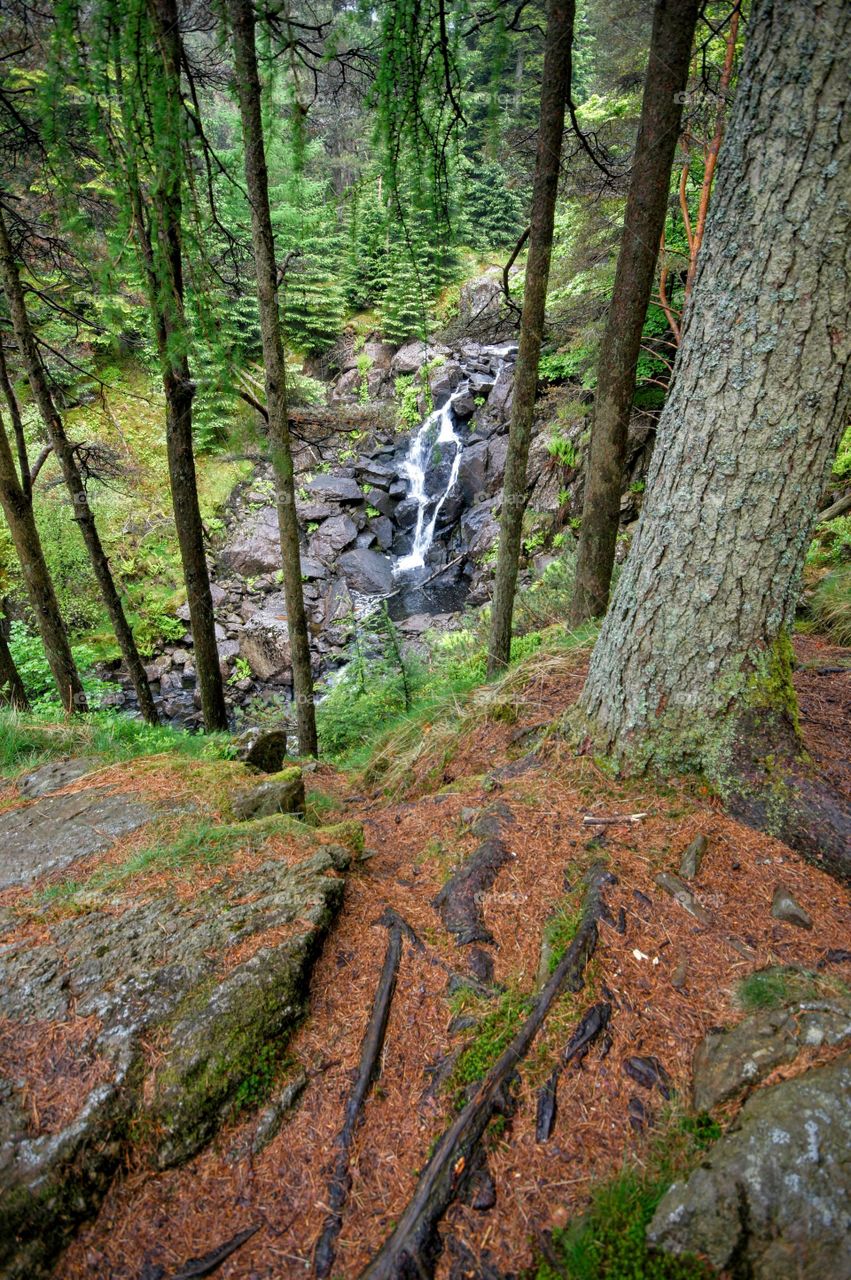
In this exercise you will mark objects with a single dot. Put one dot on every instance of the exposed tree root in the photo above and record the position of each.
(210, 1262)
(592, 1024)
(371, 1047)
(411, 1252)
(460, 900)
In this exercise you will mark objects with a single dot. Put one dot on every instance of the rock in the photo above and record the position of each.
(283, 793)
(380, 354)
(693, 857)
(265, 642)
(313, 569)
(265, 749)
(54, 776)
(211, 977)
(367, 571)
(785, 907)
(649, 1073)
(384, 531)
(256, 546)
(479, 298)
(728, 1062)
(332, 537)
(311, 510)
(772, 1199)
(59, 830)
(331, 488)
(498, 408)
(347, 386)
(472, 472)
(382, 502)
(682, 894)
(409, 357)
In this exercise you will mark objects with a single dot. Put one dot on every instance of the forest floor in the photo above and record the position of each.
(151, 1223)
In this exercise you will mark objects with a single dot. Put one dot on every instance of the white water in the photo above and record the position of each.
(415, 467)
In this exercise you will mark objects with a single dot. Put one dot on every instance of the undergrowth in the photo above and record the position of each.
(610, 1240)
(495, 1030)
(27, 741)
(768, 988)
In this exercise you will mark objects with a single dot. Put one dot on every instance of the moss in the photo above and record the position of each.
(777, 985)
(495, 1030)
(349, 834)
(610, 1240)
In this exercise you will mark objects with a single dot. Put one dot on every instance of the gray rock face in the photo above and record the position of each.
(332, 537)
(367, 571)
(127, 965)
(772, 1200)
(728, 1062)
(53, 777)
(59, 830)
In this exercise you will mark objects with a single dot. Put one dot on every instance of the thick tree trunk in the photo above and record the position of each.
(555, 87)
(83, 514)
(692, 667)
(17, 508)
(661, 112)
(164, 267)
(256, 180)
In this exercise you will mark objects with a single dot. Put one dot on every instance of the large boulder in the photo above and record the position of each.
(265, 641)
(282, 793)
(331, 488)
(772, 1199)
(367, 571)
(332, 537)
(255, 548)
(263, 749)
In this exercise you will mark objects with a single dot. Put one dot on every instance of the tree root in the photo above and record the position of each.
(210, 1262)
(592, 1024)
(371, 1047)
(411, 1252)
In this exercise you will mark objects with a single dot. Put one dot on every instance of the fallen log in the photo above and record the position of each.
(412, 1250)
(371, 1047)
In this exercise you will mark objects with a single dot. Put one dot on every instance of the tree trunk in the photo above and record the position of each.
(17, 424)
(83, 514)
(555, 87)
(256, 180)
(17, 508)
(163, 262)
(692, 668)
(12, 691)
(671, 40)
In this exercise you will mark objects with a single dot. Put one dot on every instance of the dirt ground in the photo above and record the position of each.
(151, 1224)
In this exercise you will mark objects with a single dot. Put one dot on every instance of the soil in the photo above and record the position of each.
(151, 1224)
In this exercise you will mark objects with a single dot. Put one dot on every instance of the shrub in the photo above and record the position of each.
(831, 605)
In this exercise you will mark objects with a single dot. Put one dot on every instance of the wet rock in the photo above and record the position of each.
(54, 776)
(773, 1196)
(367, 571)
(382, 502)
(785, 907)
(472, 471)
(693, 856)
(59, 830)
(265, 749)
(283, 793)
(727, 1062)
(384, 531)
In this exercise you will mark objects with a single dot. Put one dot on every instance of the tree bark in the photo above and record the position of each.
(671, 40)
(17, 508)
(83, 514)
(162, 256)
(17, 424)
(12, 691)
(692, 668)
(243, 22)
(555, 87)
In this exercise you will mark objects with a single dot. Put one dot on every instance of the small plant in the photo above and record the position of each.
(407, 394)
(637, 486)
(372, 512)
(364, 364)
(241, 671)
(562, 449)
(831, 605)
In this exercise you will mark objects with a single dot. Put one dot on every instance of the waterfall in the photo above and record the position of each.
(437, 429)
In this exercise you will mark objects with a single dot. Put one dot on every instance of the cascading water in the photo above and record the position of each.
(438, 429)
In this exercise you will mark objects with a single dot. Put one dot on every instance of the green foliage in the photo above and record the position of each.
(110, 736)
(842, 464)
(27, 651)
(831, 605)
(408, 395)
(562, 449)
(493, 209)
(560, 931)
(610, 1240)
(494, 1032)
(768, 988)
(832, 543)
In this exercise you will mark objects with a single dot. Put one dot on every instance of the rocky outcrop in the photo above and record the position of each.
(129, 1008)
(772, 1198)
